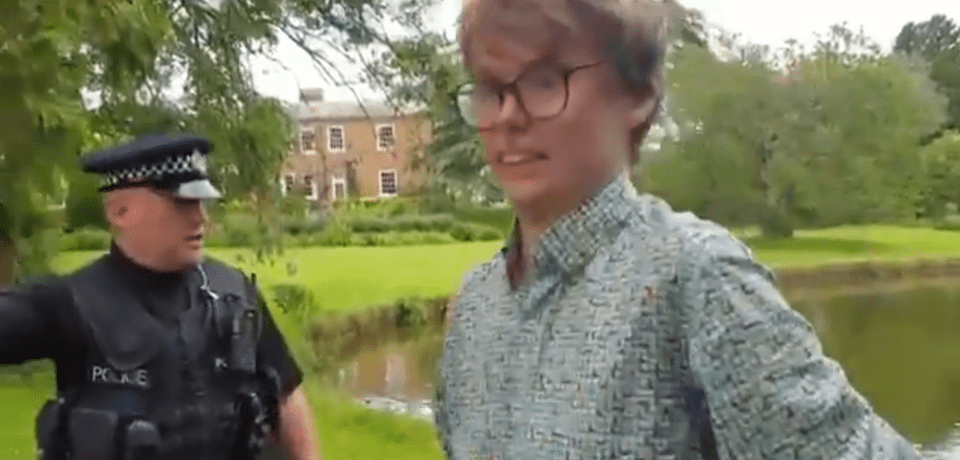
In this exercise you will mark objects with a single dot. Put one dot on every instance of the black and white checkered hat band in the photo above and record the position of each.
(182, 164)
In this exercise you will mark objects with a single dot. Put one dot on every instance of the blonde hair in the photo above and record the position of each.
(631, 33)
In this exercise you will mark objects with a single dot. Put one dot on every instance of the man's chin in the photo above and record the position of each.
(526, 193)
(192, 256)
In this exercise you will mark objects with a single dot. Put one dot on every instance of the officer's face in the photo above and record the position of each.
(181, 223)
(165, 229)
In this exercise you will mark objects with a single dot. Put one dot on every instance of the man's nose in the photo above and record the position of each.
(513, 114)
(199, 214)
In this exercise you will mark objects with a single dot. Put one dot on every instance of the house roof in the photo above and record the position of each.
(343, 110)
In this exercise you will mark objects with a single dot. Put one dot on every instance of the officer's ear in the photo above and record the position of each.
(124, 207)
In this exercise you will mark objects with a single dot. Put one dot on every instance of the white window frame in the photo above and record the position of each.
(312, 151)
(393, 129)
(396, 182)
(333, 187)
(313, 186)
(285, 186)
(343, 136)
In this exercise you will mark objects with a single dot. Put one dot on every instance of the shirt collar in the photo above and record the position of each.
(573, 240)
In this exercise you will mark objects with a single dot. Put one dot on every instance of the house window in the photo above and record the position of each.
(388, 183)
(385, 137)
(308, 142)
(288, 183)
(310, 187)
(335, 139)
(338, 188)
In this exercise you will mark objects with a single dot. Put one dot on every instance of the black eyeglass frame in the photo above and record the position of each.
(512, 87)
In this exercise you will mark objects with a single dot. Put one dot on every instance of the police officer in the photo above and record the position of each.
(160, 354)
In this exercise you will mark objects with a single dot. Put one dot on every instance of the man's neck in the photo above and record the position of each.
(534, 219)
(138, 257)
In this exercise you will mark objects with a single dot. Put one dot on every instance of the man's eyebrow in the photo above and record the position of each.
(543, 61)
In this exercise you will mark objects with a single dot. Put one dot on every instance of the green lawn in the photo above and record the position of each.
(362, 276)
(345, 278)
(356, 276)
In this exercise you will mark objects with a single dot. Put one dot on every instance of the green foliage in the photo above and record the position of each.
(937, 41)
(86, 239)
(85, 205)
(398, 238)
(427, 223)
(475, 232)
(941, 162)
(336, 233)
(155, 67)
(832, 141)
(501, 218)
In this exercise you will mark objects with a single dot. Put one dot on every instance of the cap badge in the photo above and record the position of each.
(199, 162)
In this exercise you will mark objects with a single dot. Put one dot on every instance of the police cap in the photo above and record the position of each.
(178, 165)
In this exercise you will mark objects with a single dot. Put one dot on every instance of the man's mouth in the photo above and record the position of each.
(195, 238)
(514, 159)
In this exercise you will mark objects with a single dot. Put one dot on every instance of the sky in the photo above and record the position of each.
(769, 22)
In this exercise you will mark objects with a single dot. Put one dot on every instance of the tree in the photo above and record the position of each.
(829, 139)
(937, 41)
(153, 66)
(941, 162)
(44, 65)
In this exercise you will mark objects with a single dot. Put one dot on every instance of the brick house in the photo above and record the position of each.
(345, 150)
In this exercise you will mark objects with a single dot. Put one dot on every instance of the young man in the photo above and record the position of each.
(159, 353)
(611, 327)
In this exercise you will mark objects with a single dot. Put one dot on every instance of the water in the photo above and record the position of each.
(900, 350)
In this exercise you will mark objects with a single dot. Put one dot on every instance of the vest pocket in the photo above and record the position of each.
(93, 434)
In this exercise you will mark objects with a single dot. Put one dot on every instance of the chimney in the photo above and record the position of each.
(311, 95)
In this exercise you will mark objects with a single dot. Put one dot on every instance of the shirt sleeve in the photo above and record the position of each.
(274, 352)
(28, 322)
(771, 391)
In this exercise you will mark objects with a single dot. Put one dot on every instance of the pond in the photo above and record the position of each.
(900, 350)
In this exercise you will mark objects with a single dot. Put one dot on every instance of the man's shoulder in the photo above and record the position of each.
(210, 263)
(482, 271)
(689, 234)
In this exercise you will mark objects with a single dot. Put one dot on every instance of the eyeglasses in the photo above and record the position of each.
(541, 91)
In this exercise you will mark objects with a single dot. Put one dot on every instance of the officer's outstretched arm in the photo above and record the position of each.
(297, 431)
(26, 329)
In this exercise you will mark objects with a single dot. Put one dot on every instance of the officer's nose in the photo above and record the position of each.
(201, 215)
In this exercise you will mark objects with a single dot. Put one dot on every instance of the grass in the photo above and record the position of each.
(355, 276)
(347, 278)
(347, 430)
(856, 243)
(351, 277)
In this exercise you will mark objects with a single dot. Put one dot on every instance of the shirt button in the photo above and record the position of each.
(645, 453)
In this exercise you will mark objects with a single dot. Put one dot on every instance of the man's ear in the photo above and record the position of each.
(124, 208)
(645, 106)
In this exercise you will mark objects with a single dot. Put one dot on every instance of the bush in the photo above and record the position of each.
(336, 233)
(432, 223)
(475, 232)
(400, 238)
(304, 226)
(86, 239)
(84, 206)
(499, 218)
(435, 223)
(239, 229)
(370, 224)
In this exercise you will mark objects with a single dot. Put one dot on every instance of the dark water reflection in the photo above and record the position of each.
(900, 350)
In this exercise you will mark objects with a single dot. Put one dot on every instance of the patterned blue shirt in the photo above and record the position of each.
(643, 333)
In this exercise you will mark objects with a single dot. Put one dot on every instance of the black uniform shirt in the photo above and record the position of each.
(40, 320)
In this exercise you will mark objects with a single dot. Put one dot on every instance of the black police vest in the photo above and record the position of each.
(169, 390)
